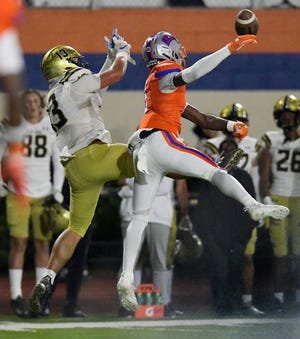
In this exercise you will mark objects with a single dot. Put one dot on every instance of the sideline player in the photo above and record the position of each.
(89, 157)
(40, 154)
(280, 183)
(157, 149)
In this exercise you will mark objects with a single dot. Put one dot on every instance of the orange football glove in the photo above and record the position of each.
(240, 129)
(13, 169)
(241, 41)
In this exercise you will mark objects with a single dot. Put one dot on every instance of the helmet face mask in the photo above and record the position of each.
(163, 46)
(288, 103)
(59, 59)
(235, 112)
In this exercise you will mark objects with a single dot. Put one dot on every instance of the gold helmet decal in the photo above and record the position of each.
(59, 59)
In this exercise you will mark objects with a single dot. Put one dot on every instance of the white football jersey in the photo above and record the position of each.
(285, 156)
(40, 148)
(73, 104)
(248, 161)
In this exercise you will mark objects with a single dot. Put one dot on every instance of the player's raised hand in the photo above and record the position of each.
(241, 41)
(111, 49)
(120, 45)
(240, 129)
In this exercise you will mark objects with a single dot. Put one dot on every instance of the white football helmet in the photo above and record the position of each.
(163, 46)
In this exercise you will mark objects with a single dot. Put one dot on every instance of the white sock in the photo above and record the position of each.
(51, 274)
(132, 245)
(15, 282)
(39, 273)
(247, 298)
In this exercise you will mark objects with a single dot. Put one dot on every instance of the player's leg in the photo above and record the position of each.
(41, 245)
(145, 188)
(279, 241)
(18, 224)
(157, 236)
(86, 181)
(176, 157)
(248, 277)
(76, 266)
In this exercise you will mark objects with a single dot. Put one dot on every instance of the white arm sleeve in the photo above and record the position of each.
(204, 65)
(107, 63)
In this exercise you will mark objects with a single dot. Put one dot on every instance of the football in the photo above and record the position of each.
(246, 22)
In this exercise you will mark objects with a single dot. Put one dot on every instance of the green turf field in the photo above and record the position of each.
(59, 328)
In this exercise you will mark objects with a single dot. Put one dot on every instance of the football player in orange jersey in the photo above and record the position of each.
(157, 149)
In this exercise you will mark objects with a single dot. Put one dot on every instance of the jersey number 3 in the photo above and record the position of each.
(57, 117)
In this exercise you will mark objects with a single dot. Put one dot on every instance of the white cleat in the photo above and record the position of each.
(126, 293)
(261, 211)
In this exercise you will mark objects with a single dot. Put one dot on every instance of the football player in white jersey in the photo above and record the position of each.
(237, 111)
(90, 159)
(40, 152)
(279, 168)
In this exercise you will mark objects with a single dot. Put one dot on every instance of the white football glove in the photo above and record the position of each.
(120, 45)
(117, 44)
(111, 50)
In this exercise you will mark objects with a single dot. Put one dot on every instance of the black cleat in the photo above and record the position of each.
(38, 299)
(230, 160)
(19, 307)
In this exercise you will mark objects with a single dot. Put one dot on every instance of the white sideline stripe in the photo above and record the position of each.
(17, 326)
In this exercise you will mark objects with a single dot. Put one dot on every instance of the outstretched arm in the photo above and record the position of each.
(203, 120)
(208, 63)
